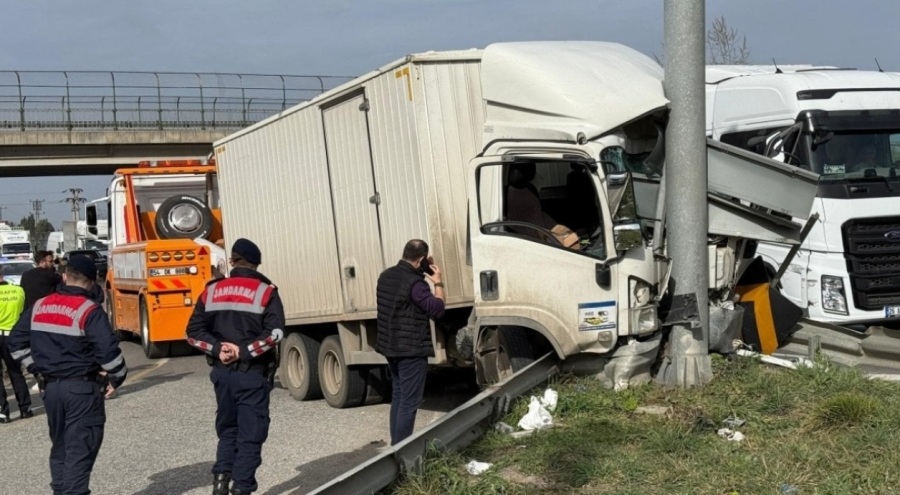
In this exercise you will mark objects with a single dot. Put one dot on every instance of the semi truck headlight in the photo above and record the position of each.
(833, 298)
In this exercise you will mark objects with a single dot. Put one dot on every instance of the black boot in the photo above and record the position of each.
(237, 491)
(220, 483)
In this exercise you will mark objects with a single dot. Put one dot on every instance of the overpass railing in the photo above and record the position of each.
(86, 100)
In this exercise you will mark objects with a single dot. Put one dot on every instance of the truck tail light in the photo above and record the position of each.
(153, 257)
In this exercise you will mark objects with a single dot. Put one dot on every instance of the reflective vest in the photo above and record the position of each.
(247, 295)
(61, 314)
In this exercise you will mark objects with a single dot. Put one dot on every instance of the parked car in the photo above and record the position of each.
(99, 259)
(13, 269)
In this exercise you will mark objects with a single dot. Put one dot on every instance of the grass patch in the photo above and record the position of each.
(824, 430)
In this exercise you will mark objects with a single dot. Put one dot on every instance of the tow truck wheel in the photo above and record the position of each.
(300, 366)
(123, 336)
(183, 217)
(341, 385)
(153, 350)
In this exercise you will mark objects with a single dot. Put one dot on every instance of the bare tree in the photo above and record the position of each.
(724, 45)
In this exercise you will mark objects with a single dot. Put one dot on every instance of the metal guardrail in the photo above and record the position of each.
(454, 430)
(83, 100)
(872, 351)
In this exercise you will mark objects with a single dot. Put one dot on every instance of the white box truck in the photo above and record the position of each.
(844, 125)
(480, 153)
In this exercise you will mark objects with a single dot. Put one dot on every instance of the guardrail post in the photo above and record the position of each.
(243, 102)
(140, 119)
(68, 103)
(214, 112)
(249, 104)
(21, 102)
(112, 75)
(178, 109)
(102, 111)
(202, 111)
(283, 94)
(321, 84)
(159, 124)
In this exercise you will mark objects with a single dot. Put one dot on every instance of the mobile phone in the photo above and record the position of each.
(426, 266)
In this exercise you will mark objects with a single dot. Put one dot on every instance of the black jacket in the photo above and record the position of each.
(403, 327)
(243, 309)
(39, 282)
(83, 349)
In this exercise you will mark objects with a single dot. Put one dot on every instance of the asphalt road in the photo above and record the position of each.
(160, 438)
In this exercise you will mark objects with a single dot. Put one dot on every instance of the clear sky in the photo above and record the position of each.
(350, 37)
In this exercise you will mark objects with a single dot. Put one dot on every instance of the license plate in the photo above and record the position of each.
(891, 311)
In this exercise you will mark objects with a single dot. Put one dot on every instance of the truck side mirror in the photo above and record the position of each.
(90, 214)
(627, 236)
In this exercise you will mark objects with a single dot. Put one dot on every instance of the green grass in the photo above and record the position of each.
(823, 430)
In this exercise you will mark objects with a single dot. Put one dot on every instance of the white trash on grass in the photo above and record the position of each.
(731, 435)
(549, 399)
(475, 467)
(537, 417)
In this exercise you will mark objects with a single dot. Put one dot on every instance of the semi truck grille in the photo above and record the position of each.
(872, 250)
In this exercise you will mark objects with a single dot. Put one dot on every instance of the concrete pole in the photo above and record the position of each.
(687, 220)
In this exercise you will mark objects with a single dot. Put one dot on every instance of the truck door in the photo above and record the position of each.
(541, 247)
(355, 201)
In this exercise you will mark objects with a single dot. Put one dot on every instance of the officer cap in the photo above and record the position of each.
(247, 250)
(83, 265)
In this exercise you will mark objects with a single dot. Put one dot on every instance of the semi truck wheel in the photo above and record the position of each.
(183, 217)
(153, 350)
(341, 385)
(378, 385)
(300, 366)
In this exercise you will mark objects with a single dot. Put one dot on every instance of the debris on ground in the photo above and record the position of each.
(733, 422)
(787, 488)
(549, 399)
(503, 427)
(475, 467)
(537, 416)
(731, 435)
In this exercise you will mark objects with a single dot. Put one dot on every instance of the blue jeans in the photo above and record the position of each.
(408, 378)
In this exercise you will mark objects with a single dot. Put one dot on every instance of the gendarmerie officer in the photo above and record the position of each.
(238, 322)
(66, 342)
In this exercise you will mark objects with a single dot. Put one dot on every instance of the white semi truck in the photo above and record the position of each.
(483, 154)
(844, 125)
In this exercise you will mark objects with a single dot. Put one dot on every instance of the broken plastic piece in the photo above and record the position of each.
(734, 422)
(549, 399)
(504, 428)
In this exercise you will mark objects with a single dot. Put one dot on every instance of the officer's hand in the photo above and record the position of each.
(229, 353)
(110, 392)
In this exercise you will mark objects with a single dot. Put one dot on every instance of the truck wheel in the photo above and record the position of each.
(183, 217)
(300, 366)
(378, 385)
(515, 345)
(341, 385)
(123, 336)
(153, 350)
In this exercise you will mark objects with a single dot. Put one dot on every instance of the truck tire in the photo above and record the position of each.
(122, 335)
(153, 350)
(378, 385)
(341, 385)
(300, 366)
(183, 217)
(516, 346)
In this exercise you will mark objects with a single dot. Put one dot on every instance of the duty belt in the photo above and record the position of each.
(242, 366)
(85, 378)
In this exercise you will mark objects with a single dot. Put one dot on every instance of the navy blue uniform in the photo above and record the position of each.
(245, 310)
(67, 339)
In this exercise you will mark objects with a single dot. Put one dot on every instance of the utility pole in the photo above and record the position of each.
(687, 217)
(36, 207)
(76, 201)
(1, 212)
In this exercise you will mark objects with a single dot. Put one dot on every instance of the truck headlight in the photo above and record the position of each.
(833, 298)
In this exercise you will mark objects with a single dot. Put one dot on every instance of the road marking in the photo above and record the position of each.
(148, 371)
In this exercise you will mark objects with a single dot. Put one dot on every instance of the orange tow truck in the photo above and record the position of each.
(165, 235)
